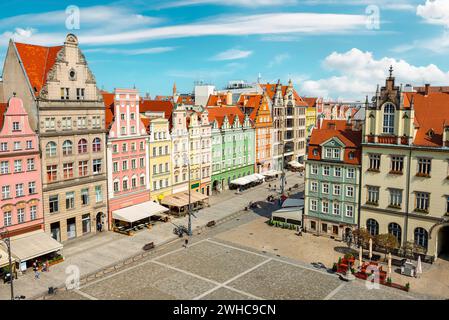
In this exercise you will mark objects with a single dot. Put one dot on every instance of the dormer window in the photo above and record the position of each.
(430, 133)
(388, 125)
(315, 152)
(351, 155)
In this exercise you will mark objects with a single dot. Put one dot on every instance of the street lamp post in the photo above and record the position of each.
(7, 241)
(190, 199)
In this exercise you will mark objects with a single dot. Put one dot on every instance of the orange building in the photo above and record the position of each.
(256, 106)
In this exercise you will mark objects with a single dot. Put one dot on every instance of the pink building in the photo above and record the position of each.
(21, 185)
(127, 155)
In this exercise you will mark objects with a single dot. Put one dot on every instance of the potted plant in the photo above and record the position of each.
(407, 286)
(334, 267)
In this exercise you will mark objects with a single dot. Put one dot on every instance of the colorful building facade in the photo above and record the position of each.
(180, 149)
(127, 152)
(405, 168)
(160, 158)
(257, 106)
(66, 108)
(332, 180)
(233, 142)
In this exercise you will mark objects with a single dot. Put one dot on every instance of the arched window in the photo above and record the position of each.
(395, 230)
(82, 146)
(388, 118)
(50, 149)
(67, 148)
(96, 145)
(372, 226)
(421, 237)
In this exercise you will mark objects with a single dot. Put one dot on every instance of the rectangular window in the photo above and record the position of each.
(6, 192)
(65, 93)
(397, 164)
(116, 186)
(422, 201)
(53, 203)
(85, 222)
(125, 165)
(84, 196)
(52, 173)
(33, 213)
(125, 147)
(32, 187)
(29, 144)
(424, 167)
(349, 211)
(19, 190)
(313, 205)
(326, 170)
(325, 207)
(30, 164)
(68, 170)
(7, 218)
(142, 145)
(4, 146)
(337, 190)
(350, 191)
(4, 167)
(133, 164)
(98, 194)
(142, 162)
(115, 166)
(15, 126)
(79, 93)
(337, 172)
(373, 195)
(17, 145)
(82, 168)
(395, 198)
(350, 174)
(336, 153)
(314, 186)
(96, 167)
(336, 208)
(17, 165)
(70, 200)
(66, 123)
(374, 162)
(314, 169)
(115, 148)
(328, 153)
(325, 188)
(82, 122)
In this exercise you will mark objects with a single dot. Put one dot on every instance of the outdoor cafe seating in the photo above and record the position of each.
(178, 203)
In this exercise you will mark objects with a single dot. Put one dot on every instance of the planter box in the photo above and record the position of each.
(55, 261)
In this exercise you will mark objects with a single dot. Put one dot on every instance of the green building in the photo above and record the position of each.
(332, 180)
(233, 145)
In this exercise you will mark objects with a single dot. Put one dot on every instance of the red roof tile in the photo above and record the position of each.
(431, 112)
(108, 99)
(336, 128)
(214, 98)
(270, 89)
(311, 102)
(37, 62)
(157, 106)
(3, 107)
(253, 103)
(218, 113)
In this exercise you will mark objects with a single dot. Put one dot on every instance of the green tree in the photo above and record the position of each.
(386, 241)
(362, 235)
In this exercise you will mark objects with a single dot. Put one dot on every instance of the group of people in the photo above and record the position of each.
(45, 268)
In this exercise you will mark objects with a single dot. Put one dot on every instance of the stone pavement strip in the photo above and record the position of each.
(97, 252)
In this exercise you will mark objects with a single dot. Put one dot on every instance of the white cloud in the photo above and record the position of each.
(229, 25)
(240, 3)
(357, 73)
(278, 59)
(131, 52)
(396, 5)
(232, 54)
(434, 12)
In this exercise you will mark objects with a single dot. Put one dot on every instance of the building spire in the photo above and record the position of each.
(391, 71)
(174, 89)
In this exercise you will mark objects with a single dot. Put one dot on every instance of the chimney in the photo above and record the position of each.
(427, 89)
(229, 98)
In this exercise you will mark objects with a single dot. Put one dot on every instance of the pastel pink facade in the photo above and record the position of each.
(20, 172)
(127, 153)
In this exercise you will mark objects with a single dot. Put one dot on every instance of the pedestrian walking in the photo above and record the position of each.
(186, 242)
(47, 266)
(36, 270)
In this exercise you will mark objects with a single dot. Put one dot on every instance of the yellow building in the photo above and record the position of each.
(405, 172)
(311, 114)
(160, 158)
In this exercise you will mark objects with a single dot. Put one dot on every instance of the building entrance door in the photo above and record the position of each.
(443, 243)
(71, 228)
(55, 231)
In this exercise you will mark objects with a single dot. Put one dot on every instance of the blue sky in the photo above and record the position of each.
(329, 48)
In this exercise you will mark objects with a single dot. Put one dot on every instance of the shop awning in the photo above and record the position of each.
(271, 173)
(33, 244)
(181, 199)
(241, 181)
(295, 164)
(288, 213)
(138, 212)
(4, 259)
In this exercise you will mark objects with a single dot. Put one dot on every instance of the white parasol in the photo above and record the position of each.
(419, 267)
(370, 248)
